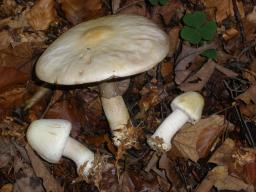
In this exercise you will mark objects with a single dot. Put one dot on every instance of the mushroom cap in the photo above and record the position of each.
(191, 103)
(48, 137)
(104, 48)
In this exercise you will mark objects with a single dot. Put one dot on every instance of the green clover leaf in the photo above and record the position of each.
(195, 19)
(191, 35)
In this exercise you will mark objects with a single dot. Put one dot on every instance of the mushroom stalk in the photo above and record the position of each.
(167, 130)
(115, 110)
(80, 154)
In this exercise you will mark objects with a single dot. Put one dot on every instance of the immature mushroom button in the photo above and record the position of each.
(103, 49)
(50, 139)
(187, 107)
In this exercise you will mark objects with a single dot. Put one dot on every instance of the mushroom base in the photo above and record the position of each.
(80, 154)
(161, 139)
(117, 116)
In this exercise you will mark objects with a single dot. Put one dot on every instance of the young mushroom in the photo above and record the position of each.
(50, 139)
(102, 50)
(187, 107)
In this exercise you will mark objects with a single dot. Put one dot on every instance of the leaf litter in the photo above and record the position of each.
(213, 153)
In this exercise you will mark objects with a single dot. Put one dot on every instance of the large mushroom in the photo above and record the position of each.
(102, 50)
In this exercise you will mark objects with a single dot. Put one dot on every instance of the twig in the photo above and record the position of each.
(238, 19)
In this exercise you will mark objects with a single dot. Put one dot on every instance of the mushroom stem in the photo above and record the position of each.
(115, 110)
(80, 154)
(161, 139)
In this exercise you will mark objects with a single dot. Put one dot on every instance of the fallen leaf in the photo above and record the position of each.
(12, 97)
(77, 11)
(11, 77)
(222, 156)
(233, 183)
(197, 81)
(133, 7)
(252, 16)
(249, 95)
(174, 34)
(250, 173)
(230, 34)
(153, 96)
(19, 57)
(195, 141)
(162, 14)
(227, 72)
(49, 181)
(187, 55)
(223, 9)
(7, 188)
(5, 39)
(166, 69)
(28, 184)
(42, 14)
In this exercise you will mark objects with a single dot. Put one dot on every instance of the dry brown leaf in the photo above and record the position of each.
(227, 72)
(233, 183)
(49, 181)
(18, 57)
(230, 34)
(248, 96)
(197, 81)
(133, 7)
(174, 39)
(217, 173)
(167, 12)
(166, 70)
(77, 11)
(187, 55)
(11, 77)
(7, 188)
(252, 16)
(12, 97)
(5, 39)
(42, 14)
(195, 141)
(150, 98)
(250, 173)
(223, 9)
(28, 184)
(222, 155)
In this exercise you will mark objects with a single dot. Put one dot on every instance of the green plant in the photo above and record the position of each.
(158, 2)
(197, 29)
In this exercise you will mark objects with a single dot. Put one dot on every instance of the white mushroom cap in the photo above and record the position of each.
(104, 48)
(48, 139)
(191, 103)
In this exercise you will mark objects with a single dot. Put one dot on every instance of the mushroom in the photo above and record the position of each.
(50, 139)
(102, 50)
(187, 107)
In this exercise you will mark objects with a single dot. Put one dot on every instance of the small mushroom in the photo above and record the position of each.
(50, 139)
(187, 107)
(101, 50)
